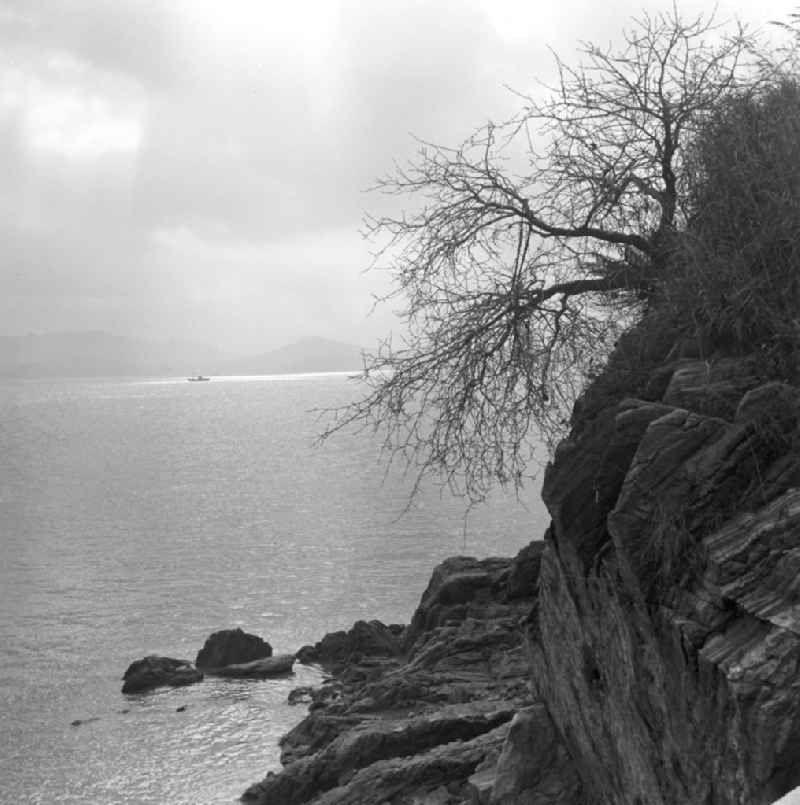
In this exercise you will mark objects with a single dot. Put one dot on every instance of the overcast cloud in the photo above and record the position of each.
(195, 169)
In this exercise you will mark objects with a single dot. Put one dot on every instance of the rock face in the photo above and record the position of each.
(665, 643)
(422, 716)
(517, 780)
(154, 672)
(231, 647)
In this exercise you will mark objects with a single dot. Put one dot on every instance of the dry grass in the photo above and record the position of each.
(739, 258)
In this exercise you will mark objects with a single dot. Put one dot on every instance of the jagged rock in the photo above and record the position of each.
(365, 639)
(524, 572)
(302, 695)
(415, 727)
(710, 388)
(773, 405)
(439, 776)
(259, 669)
(665, 643)
(355, 752)
(231, 647)
(482, 781)
(153, 672)
(460, 586)
(534, 768)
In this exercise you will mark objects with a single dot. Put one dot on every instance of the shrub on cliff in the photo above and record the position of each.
(741, 256)
(531, 246)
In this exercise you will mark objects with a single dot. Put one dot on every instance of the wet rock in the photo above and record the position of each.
(365, 639)
(231, 647)
(259, 669)
(301, 695)
(153, 672)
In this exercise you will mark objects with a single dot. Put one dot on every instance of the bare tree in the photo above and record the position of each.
(528, 247)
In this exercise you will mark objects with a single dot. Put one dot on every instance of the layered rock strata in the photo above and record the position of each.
(421, 715)
(665, 642)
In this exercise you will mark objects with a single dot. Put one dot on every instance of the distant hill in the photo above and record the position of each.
(101, 354)
(98, 354)
(306, 355)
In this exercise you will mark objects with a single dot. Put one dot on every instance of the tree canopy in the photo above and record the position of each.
(524, 251)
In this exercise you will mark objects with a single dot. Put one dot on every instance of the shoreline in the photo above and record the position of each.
(427, 706)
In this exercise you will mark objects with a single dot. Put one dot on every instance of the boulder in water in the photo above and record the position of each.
(153, 672)
(231, 647)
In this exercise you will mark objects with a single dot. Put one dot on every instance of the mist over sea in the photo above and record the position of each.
(139, 516)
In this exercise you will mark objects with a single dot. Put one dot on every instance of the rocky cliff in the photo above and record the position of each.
(422, 714)
(646, 654)
(666, 638)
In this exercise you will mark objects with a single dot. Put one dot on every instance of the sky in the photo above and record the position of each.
(197, 170)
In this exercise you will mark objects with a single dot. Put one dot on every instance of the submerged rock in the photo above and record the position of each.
(153, 672)
(231, 647)
(79, 722)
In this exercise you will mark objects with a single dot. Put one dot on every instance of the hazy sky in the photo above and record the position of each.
(196, 169)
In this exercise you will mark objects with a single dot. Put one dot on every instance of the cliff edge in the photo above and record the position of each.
(647, 653)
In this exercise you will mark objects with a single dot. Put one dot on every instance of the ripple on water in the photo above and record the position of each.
(140, 518)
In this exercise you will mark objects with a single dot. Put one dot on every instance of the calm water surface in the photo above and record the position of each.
(137, 517)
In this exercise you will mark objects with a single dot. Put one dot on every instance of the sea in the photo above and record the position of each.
(138, 516)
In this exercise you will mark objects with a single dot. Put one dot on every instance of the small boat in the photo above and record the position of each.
(197, 378)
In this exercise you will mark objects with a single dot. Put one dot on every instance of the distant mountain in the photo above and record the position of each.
(101, 354)
(306, 355)
(97, 354)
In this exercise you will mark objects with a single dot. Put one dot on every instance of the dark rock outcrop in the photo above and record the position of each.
(153, 672)
(337, 650)
(665, 643)
(231, 647)
(515, 780)
(424, 725)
